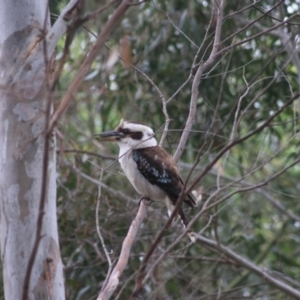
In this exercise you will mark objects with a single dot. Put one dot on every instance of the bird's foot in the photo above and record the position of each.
(149, 201)
(192, 236)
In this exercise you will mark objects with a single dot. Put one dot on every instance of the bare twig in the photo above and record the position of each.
(97, 222)
(252, 22)
(237, 141)
(114, 192)
(161, 96)
(176, 27)
(165, 103)
(168, 120)
(207, 207)
(196, 82)
(260, 191)
(170, 247)
(262, 272)
(225, 49)
(289, 46)
(125, 4)
(99, 155)
(94, 14)
(117, 271)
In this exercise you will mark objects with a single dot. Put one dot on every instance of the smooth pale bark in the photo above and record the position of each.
(22, 120)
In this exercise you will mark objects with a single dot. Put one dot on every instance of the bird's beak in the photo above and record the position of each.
(108, 136)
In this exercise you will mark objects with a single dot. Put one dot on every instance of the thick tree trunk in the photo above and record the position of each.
(23, 106)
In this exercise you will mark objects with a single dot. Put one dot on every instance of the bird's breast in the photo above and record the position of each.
(138, 181)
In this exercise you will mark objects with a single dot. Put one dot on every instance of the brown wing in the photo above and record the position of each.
(158, 167)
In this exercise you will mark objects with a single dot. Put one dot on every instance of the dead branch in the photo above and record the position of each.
(117, 271)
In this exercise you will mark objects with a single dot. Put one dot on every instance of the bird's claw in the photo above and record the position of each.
(149, 201)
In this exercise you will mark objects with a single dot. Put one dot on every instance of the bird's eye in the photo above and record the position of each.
(125, 131)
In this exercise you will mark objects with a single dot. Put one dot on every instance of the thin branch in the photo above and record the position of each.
(71, 27)
(160, 94)
(260, 256)
(279, 205)
(170, 247)
(176, 27)
(289, 47)
(196, 82)
(235, 127)
(95, 14)
(260, 191)
(97, 222)
(272, 17)
(238, 141)
(252, 22)
(262, 272)
(113, 280)
(114, 192)
(207, 207)
(60, 26)
(256, 35)
(119, 12)
(105, 156)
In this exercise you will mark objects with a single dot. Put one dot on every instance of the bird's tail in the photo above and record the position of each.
(183, 219)
(185, 223)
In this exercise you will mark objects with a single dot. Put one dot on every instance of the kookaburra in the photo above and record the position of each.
(149, 168)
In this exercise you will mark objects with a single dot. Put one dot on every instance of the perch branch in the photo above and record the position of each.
(117, 271)
(142, 269)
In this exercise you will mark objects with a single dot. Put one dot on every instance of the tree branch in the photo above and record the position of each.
(264, 273)
(60, 26)
(106, 252)
(238, 141)
(142, 269)
(117, 271)
(196, 82)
